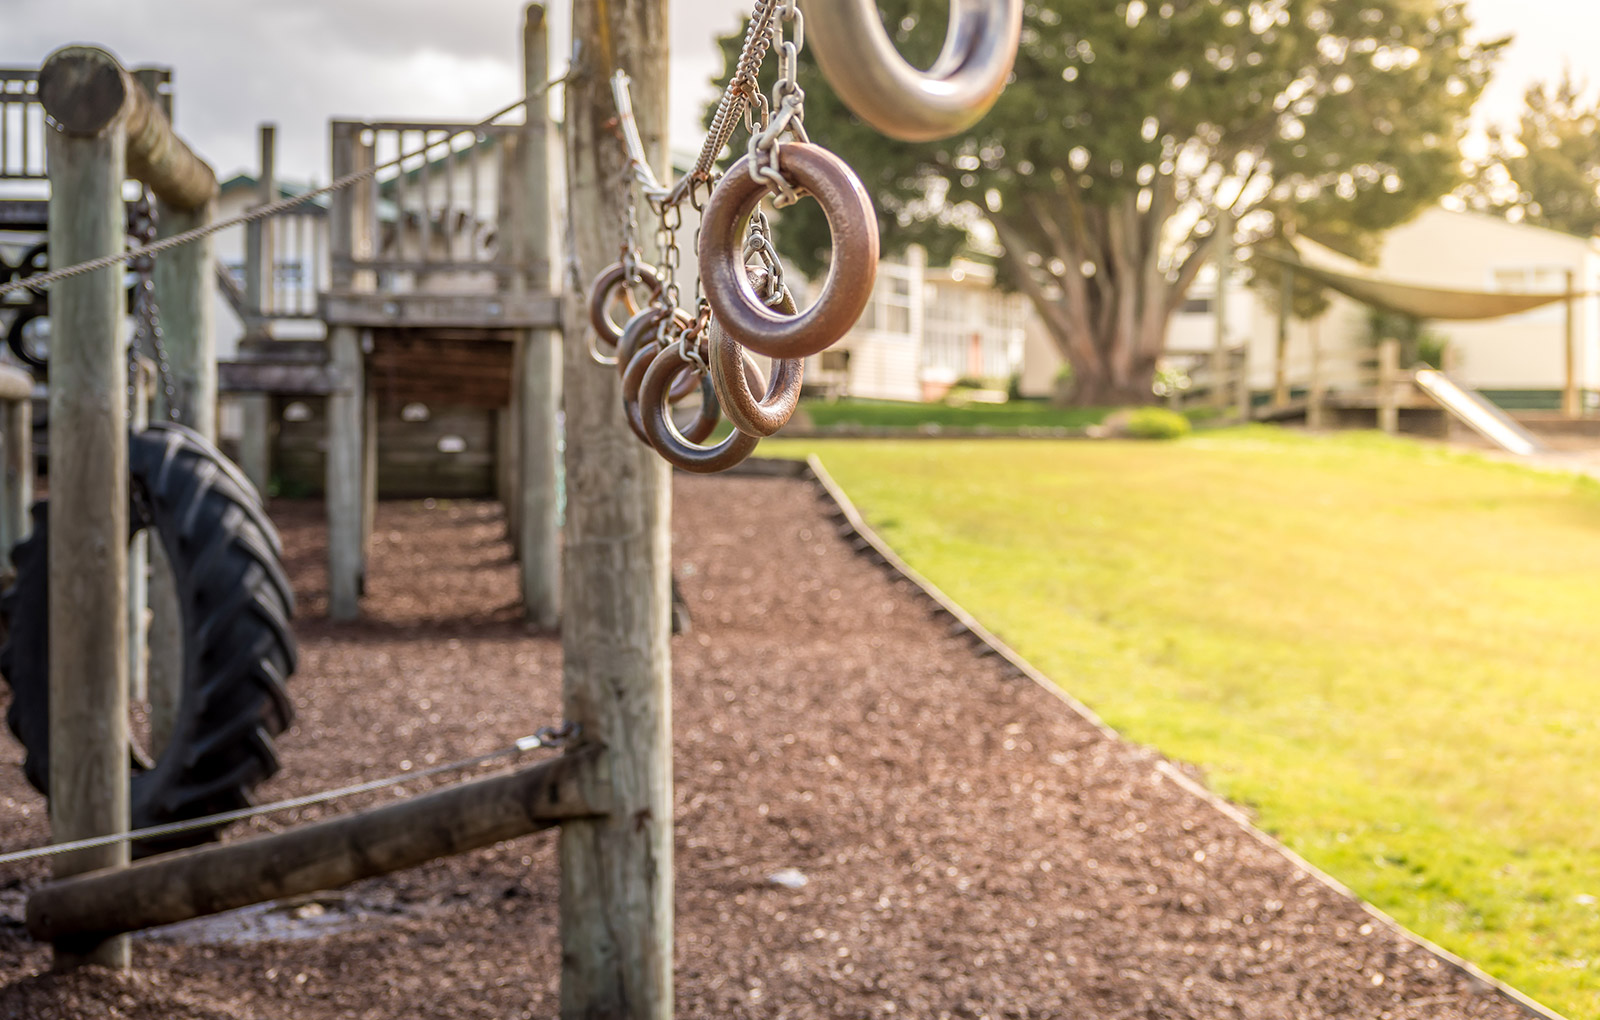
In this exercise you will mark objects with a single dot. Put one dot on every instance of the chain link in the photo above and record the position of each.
(787, 107)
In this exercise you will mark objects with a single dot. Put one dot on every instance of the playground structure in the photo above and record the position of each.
(405, 309)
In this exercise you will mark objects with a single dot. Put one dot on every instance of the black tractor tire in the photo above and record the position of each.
(238, 649)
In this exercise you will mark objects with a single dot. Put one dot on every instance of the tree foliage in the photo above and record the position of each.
(1548, 173)
(1131, 129)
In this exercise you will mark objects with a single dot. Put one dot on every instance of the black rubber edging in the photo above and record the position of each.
(854, 529)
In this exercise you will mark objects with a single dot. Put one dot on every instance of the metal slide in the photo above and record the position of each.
(1477, 412)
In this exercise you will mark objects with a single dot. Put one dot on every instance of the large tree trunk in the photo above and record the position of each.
(1100, 288)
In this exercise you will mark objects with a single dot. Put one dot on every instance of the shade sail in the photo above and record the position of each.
(1352, 279)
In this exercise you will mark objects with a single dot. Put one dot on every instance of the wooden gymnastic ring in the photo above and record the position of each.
(705, 420)
(643, 329)
(611, 279)
(730, 372)
(843, 296)
(675, 447)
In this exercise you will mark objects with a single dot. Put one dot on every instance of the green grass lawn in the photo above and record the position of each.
(1014, 414)
(1389, 652)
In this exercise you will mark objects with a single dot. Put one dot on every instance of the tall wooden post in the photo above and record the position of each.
(1571, 404)
(255, 445)
(1280, 354)
(88, 552)
(348, 486)
(1389, 385)
(346, 477)
(616, 872)
(539, 363)
(1223, 261)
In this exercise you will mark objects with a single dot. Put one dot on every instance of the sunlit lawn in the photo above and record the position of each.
(1015, 414)
(1390, 653)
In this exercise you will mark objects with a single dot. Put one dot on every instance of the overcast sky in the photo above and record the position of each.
(300, 62)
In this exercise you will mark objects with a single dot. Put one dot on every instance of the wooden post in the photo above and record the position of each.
(16, 419)
(1317, 386)
(323, 855)
(255, 445)
(88, 551)
(1571, 402)
(538, 520)
(369, 461)
(1389, 385)
(350, 233)
(1280, 358)
(139, 557)
(616, 872)
(259, 257)
(1223, 260)
(346, 477)
(1241, 381)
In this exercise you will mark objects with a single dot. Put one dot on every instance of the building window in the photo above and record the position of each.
(1196, 306)
(1529, 279)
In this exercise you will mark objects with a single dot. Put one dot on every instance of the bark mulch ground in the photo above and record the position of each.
(968, 847)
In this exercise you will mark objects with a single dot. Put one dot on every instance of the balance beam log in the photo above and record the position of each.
(86, 91)
(91, 907)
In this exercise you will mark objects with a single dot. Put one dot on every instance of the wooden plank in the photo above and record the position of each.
(616, 873)
(288, 380)
(322, 855)
(88, 550)
(429, 310)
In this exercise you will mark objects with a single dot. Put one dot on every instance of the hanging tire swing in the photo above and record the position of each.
(235, 603)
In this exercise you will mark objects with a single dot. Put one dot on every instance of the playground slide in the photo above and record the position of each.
(1472, 408)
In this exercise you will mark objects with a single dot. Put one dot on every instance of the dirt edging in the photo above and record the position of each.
(854, 528)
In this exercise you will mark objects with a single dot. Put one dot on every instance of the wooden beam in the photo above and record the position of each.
(616, 873)
(86, 91)
(1389, 385)
(88, 548)
(298, 380)
(323, 855)
(430, 310)
(1571, 401)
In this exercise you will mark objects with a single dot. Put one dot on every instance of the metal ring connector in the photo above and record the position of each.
(851, 271)
(864, 68)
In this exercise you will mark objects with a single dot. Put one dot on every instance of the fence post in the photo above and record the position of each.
(1389, 385)
(616, 872)
(1223, 261)
(88, 551)
(1571, 400)
(1241, 382)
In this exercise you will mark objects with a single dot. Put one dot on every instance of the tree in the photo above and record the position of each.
(1130, 128)
(1547, 174)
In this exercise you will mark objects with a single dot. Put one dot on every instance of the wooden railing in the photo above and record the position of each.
(1192, 379)
(22, 126)
(435, 222)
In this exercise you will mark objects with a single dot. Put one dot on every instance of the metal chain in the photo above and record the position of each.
(277, 208)
(147, 313)
(671, 255)
(758, 244)
(788, 110)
